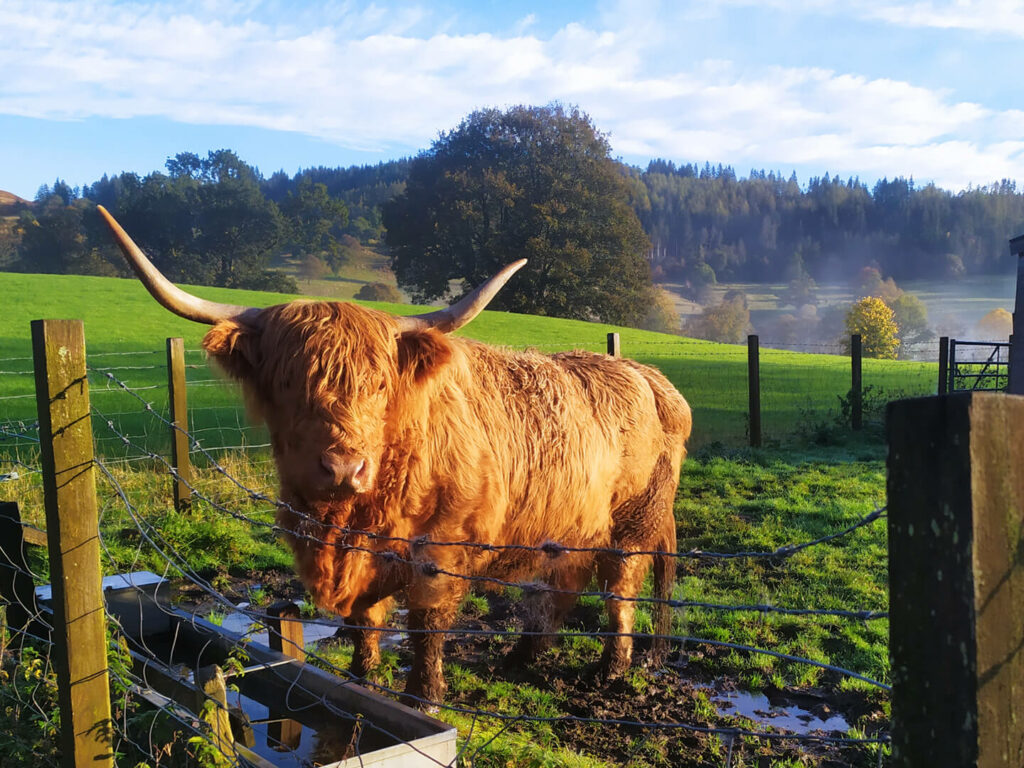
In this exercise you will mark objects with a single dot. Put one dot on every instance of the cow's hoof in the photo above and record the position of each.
(612, 667)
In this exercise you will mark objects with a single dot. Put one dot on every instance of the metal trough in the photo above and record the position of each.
(286, 713)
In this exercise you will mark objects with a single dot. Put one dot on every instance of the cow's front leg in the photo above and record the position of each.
(426, 685)
(366, 642)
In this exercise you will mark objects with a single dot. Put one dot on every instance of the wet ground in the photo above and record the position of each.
(672, 695)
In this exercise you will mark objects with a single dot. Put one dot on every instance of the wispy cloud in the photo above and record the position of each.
(1000, 17)
(1003, 17)
(373, 78)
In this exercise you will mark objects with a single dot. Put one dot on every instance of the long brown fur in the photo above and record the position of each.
(463, 442)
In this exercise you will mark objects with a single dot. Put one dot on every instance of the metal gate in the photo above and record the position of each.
(977, 365)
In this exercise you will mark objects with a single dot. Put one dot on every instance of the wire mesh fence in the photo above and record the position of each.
(803, 389)
(149, 724)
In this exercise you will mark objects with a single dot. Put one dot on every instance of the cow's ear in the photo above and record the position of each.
(235, 347)
(421, 354)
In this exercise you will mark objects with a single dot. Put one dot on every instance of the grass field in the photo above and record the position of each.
(813, 479)
(126, 331)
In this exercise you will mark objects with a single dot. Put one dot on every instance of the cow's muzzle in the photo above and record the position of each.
(346, 470)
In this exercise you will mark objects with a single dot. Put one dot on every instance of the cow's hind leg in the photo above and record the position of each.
(642, 524)
(546, 611)
(623, 577)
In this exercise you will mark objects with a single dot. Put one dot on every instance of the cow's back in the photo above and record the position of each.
(574, 435)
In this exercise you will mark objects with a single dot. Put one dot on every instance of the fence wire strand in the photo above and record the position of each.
(413, 552)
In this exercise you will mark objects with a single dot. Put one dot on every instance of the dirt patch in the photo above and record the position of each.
(682, 691)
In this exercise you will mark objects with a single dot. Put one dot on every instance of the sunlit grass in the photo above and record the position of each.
(126, 331)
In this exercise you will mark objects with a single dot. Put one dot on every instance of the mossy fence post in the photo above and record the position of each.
(72, 525)
(856, 382)
(614, 346)
(943, 365)
(178, 404)
(754, 390)
(956, 580)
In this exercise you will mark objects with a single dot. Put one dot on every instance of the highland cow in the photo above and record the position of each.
(401, 450)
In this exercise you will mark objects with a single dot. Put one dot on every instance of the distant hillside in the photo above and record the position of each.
(10, 203)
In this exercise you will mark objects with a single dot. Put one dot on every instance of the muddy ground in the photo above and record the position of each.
(668, 695)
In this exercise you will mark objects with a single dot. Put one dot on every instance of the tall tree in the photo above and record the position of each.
(534, 182)
(315, 221)
(205, 222)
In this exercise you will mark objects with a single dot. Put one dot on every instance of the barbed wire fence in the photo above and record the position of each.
(803, 387)
(132, 688)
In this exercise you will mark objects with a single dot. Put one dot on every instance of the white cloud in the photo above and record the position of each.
(1004, 17)
(380, 81)
(1000, 17)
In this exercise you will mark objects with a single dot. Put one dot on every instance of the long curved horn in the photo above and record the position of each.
(457, 315)
(171, 296)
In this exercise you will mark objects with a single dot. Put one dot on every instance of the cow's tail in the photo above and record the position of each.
(664, 582)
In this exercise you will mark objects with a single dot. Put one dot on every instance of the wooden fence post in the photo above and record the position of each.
(72, 523)
(856, 388)
(176, 398)
(614, 348)
(754, 389)
(285, 633)
(956, 576)
(1015, 384)
(284, 630)
(943, 365)
(212, 708)
(951, 363)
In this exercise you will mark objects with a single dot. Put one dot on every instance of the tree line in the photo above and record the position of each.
(535, 182)
(707, 225)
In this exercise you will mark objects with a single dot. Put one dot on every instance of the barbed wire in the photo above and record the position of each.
(547, 548)
(264, 620)
(550, 549)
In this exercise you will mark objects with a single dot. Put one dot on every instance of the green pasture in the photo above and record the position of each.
(730, 499)
(126, 331)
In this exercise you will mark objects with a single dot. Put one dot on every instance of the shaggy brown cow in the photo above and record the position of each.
(392, 437)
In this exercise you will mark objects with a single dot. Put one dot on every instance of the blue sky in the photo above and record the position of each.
(931, 89)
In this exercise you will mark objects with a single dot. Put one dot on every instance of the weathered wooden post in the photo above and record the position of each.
(286, 635)
(943, 365)
(178, 404)
(856, 390)
(956, 574)
(1015, 385)
(212, 708)
(614, 348)
(754, 389)
(72, 523)
(284, 630)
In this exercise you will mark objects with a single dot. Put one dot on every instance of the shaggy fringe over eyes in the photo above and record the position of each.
(338, 352)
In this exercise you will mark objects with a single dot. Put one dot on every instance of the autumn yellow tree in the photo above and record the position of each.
(874, 320)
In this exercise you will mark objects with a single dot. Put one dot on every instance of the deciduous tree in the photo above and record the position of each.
(873, 319)
(533, 182)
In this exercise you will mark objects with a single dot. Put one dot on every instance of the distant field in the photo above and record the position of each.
(954, 305)
(126, 332)
(363, 266)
